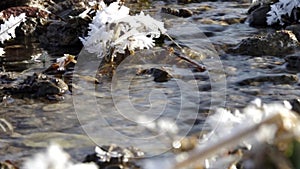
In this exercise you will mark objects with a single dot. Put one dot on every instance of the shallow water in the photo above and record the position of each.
(108, 112)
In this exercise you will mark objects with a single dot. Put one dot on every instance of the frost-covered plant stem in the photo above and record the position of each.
(280, 9)
(114, 31)
(227, 141)
(8, 28)
(272, 124)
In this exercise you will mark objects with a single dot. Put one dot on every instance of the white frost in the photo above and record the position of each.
(114, 28)
(9, 26)
(281, 8)
(1, 51)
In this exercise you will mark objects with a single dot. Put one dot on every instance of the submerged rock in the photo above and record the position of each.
(158, 74)
(278, 43)
(177, 12)
(274, 79)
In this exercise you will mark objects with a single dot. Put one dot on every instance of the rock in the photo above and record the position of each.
(295, 29)
(258, 17)
(61, 33)
(4, 4)
(274, 79)
(295, 105)
(109, 157)
(259, 9)
(7, 77)
(37, 85)
(293, 61)
(193, 1)
(278, 43)
(158, 74)
(177, 12)
(8, 165)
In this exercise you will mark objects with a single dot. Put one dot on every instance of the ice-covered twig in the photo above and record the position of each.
(257, 124)
(113, 31)
(8, 27)
(280, 9)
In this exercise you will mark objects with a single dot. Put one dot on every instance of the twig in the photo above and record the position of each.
(199, 66)
(212, 149)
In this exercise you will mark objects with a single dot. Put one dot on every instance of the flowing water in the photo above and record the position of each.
(108, 112)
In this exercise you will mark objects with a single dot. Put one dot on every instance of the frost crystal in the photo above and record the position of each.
(280, 9)
(113, 28)
(8, 28)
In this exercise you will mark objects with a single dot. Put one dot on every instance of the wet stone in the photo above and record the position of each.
(278, 43)
(295, 29)
(9, 3)
(113, 156)
(37, 85)
(258, 17)
(274, 79)
(8, 165)
(258, 13)
(158, 74)
(193, 1)
(60, 33)
(7, 77)
(295, 105)
(293, 62)
(177, 12)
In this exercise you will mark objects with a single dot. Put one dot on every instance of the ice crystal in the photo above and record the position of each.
(280, 9)
(113, 28)
(8, 27)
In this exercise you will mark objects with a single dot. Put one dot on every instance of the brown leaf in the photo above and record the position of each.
(29, 11)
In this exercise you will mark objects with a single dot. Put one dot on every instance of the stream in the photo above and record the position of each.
(105, 113)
